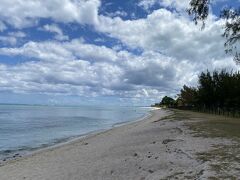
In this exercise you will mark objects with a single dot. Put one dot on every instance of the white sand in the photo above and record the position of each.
(141, 150)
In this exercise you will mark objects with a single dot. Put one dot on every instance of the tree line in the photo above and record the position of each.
(217, 92)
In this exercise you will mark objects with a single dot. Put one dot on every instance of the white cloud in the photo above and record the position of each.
(27, 12)
(169, 34)
(61, 71)
(147, 4)
(17, 34)
(7, 40)
(12, 38)
(88, 70)
(179, 5)
(54, 28)
(52, 51)
(174, 51)
(117, 13)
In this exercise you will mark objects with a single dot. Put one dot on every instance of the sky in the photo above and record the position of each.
(130, 52)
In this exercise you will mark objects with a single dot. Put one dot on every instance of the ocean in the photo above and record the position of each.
(24, 128)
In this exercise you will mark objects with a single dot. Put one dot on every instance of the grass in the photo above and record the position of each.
(207, 125)
(177, 115)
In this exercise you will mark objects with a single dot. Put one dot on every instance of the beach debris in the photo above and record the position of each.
(151, 171)
(166, 141)
(157, 120)
(16, 155)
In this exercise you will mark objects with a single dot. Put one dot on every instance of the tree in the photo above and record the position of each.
(199, 9)
(188, 96)
(206, 89)
(217, 92)
(167, 101)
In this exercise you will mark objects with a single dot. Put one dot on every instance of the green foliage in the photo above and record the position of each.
(188, 96)
(199, 10)
(167, 101)
(232, 31)
(215, 90)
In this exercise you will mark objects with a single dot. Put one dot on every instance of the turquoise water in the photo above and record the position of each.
(25, 128)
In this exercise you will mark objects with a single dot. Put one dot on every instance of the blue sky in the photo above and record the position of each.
(111, 51)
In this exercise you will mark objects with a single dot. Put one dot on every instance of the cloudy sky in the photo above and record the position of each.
(104, 51)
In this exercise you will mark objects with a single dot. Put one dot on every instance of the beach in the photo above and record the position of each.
(165, 145)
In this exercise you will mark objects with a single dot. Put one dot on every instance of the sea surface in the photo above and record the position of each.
(25, 128)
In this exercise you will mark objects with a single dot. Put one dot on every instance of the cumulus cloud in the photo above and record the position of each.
(147, 4)
(117, 13)
(17, 34)
(79, 72)
(54, 28)
(12, 38)
(173, 51)
(168, 33)
(7, 40)
(88, 70)
(27, 12)
(178, 5)
(174, 4)
(57, 51)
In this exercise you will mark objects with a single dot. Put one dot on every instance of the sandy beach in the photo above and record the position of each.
(162, 146)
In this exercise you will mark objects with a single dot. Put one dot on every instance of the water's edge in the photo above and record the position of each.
(23, 153)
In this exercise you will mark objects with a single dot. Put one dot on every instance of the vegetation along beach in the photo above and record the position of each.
(119, 90)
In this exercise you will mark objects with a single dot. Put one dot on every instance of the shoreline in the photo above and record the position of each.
(22, 154)
(166, 145)
(6, 171)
